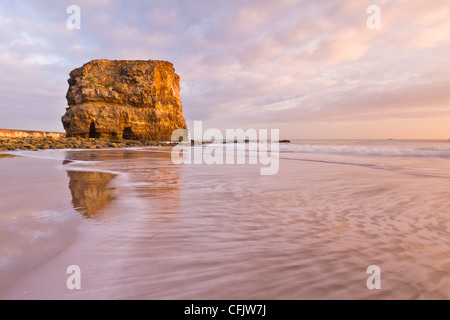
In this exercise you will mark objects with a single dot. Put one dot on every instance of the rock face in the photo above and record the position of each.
(130, 99)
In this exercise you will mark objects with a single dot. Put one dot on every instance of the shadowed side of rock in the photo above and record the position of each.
(124, 99)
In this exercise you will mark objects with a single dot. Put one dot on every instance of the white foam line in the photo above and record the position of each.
(435, 152)
(372, 166)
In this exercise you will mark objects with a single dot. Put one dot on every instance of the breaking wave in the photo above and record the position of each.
(390, 151)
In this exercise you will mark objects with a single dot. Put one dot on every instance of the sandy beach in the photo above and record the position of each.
(141, 227)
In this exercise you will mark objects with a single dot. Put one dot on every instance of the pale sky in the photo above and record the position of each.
(312, 68)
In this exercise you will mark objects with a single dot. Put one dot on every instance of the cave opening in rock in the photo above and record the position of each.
(92, 131)
(128, 133)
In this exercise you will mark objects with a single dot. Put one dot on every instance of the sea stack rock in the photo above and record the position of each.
(130, 99)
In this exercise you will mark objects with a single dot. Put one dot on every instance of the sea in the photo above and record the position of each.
(340, 219)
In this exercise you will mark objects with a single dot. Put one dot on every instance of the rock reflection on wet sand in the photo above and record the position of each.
(5, 155)
(90, 191)
(150, 174)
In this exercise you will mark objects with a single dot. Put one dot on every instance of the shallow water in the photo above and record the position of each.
(141, 227)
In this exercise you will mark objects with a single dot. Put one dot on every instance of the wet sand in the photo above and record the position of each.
(142, 228)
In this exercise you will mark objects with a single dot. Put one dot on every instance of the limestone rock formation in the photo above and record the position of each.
(130, 99)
